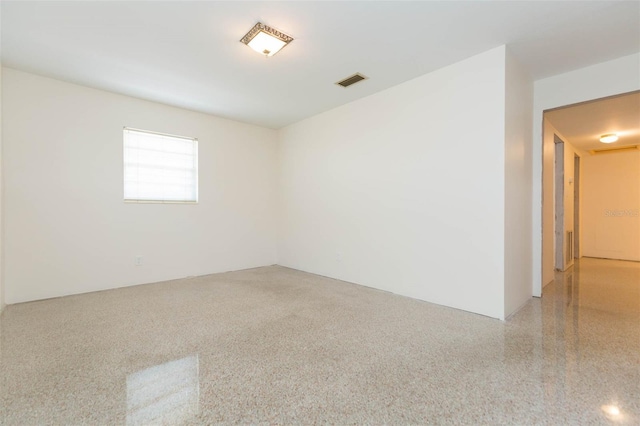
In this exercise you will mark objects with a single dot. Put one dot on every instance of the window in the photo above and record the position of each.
(160, 168)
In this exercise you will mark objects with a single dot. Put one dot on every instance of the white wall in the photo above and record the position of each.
(621, 75)
(1, 206)
(517, 251)
(611, 206)
(404, 190)
(67, 229)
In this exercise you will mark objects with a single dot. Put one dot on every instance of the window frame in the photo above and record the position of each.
(197, 168)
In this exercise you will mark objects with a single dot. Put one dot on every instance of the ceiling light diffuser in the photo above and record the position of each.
(265, 40)
(610, 138)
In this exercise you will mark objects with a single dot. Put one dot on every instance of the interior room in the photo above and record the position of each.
(319, 212)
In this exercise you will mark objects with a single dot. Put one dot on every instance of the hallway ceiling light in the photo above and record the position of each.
(265, 40)
(609, 138)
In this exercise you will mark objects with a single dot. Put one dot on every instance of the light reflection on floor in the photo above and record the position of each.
(275, 345)
(168, 393)
(591, 337)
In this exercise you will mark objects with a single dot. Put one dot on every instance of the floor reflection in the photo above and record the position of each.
(591, 338)
(279, 346)
(164, 394)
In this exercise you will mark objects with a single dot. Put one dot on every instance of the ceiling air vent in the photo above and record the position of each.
(351, 80)
(613, 150)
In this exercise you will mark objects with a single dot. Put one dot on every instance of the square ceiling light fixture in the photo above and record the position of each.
(265, 40)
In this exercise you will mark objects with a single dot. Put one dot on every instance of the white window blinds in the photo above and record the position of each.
(160, 168)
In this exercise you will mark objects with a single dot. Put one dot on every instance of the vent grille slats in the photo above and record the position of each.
(357, 77)
(569, 247)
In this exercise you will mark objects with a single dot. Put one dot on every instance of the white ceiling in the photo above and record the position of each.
(188, 54)
(583, 124)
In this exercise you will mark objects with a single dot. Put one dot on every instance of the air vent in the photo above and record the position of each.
(351, 80)
(614, 150)
(569, 247)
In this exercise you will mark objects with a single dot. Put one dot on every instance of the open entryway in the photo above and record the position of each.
(591, 187)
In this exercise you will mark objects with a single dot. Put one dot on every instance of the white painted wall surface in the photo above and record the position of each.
(517, 250)
(1, 206)
(611, 206)
(404, 190)
(67, 229)
(614, 77)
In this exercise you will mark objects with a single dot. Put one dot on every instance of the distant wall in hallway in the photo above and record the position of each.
(611, 206)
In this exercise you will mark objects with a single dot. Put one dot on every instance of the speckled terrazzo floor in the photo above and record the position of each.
(274, 345)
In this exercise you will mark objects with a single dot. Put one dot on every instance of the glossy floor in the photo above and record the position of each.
(274, 345)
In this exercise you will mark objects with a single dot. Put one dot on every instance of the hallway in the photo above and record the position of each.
(276, 345)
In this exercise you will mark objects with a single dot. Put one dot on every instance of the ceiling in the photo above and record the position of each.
(188, 54)
(583, 124)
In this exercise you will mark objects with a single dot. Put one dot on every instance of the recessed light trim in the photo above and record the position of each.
(266, 40)
(609, 138)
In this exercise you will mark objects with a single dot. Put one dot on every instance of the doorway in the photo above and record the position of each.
(566, 204)
(590, 189)
(559, 204)
(576, 206)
